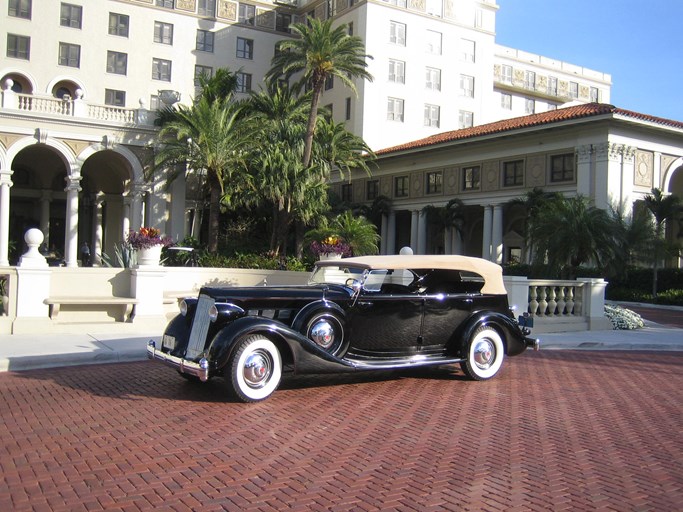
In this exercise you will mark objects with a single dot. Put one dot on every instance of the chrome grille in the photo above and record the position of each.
(200, 327)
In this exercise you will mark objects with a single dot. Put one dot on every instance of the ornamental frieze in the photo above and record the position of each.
(450, 178)
(186, 5)
(449, 10)
(8, 139)
(535, 171)
(490, 172)
(643, 175)
(416, 184)
(227, 10)
(77, 146)
(584, 92)
(417, 5)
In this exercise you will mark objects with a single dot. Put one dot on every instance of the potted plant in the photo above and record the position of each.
(148, 242)
(332, 247)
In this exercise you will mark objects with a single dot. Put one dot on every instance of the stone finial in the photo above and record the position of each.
(32, 258)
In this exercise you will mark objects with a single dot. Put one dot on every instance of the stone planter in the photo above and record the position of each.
(149, 257)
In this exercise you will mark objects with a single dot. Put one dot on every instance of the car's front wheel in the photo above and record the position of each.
(327, 331)
(485, 354)
(255, 369)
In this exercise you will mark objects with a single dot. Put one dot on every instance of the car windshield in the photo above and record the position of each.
(336, 275)
(369, 280)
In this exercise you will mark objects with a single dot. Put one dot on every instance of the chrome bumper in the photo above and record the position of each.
(200, 369)
(534, 343)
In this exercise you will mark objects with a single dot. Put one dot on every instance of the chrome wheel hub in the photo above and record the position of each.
(484, 354)
(257, 369)
(322, 333)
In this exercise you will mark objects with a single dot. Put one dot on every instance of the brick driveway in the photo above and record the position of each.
(555, 430)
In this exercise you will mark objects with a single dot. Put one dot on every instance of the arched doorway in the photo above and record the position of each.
(37, 199)
(674, 229)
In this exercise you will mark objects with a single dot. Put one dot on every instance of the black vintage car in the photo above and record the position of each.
(364, 313)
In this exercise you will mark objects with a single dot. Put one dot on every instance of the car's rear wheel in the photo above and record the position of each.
(485, 354)
(326, 330)
(255, 369)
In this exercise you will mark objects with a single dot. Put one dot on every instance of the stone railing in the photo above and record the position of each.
(556, 305)
(73, 108)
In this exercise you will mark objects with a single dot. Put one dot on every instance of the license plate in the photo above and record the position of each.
(168, 342)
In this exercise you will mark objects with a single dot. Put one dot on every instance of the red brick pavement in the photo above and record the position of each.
(560, 430)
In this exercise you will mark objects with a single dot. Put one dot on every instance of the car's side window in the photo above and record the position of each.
(450, 282)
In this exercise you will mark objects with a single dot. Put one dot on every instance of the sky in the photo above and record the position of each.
(639, 43)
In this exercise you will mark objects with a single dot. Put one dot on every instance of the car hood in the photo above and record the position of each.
(299, 292)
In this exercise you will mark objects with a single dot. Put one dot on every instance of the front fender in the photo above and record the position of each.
(303, 353)
(319, 305)
(514, 339)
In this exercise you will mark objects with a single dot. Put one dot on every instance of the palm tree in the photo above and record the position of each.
(320, 53)
(571, 232)
(355, 230)
(208, 138)
(452, 215)
(532, 201)
(662, 207)
(279, 177)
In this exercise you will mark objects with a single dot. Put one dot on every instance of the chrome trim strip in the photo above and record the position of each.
(200, 369)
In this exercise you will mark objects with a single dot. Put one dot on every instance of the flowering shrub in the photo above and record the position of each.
(623, 318)
(331, 245)
(146, 238)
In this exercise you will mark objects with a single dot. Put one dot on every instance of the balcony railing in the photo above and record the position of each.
(74, 108)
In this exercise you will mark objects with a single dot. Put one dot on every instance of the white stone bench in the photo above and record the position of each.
(130, 303)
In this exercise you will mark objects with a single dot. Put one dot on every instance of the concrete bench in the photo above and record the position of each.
(55, 303)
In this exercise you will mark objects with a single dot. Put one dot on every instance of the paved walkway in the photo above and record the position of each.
(560, 430)
(26, 352)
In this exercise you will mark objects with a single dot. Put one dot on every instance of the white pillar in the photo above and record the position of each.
(457, 243)
(125, 220)
(414, 215)
(497, 234)
(136, 210)
(45, 198)
(383, 234)
(448, 240)
(391, 228)
(486, 244)
(5, 184)
(97, 230)
(176, 226)
(422, 233)
(71, 233)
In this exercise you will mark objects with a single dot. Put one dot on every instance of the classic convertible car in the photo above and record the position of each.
(363, 313)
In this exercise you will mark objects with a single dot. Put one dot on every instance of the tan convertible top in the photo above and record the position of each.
(491, 272)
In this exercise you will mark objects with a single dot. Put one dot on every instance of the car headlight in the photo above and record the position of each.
(183, 307)
(213, 313)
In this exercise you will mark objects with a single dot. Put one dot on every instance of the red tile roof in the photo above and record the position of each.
(544, 118)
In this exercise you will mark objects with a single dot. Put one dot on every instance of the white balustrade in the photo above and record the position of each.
(555, 298)
(67, 107)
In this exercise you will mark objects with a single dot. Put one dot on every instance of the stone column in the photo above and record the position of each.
(391, 228)
(448, 240)
(125, 220)
(71, 236)
(97, 230)
(5, 184)
(414, 215)
(486, 244)
(497, 234)
(136, 205)
(45, 199)
(383, 234)
(422, 233)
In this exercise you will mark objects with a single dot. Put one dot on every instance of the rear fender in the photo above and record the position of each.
(513, 338)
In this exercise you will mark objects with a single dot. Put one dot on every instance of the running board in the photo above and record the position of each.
(413, 362)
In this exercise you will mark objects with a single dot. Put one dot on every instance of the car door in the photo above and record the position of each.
(386, 319)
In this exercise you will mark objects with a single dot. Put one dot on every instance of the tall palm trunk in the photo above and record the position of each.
(214, 212)
(310, 127)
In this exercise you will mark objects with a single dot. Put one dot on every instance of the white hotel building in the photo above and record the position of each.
(80, 80)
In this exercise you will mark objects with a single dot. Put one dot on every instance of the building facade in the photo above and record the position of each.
(609, 155)
(80, 81)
